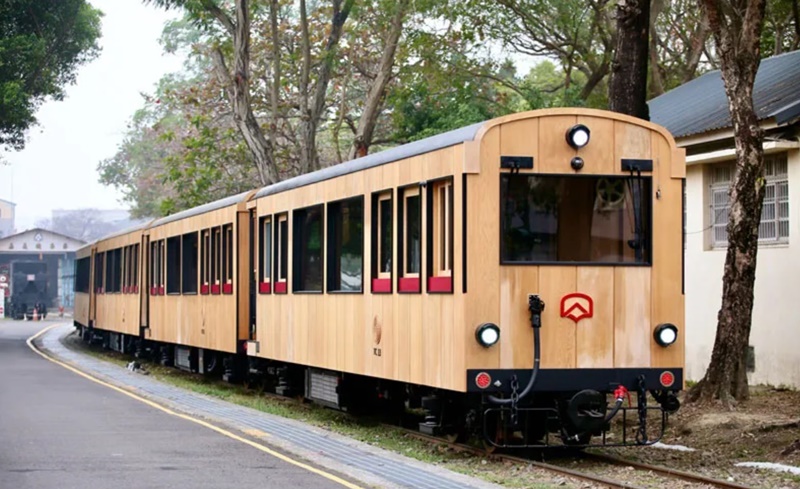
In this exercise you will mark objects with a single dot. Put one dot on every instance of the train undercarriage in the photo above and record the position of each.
(630, 410)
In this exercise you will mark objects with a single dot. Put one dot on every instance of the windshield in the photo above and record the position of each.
(583, 219)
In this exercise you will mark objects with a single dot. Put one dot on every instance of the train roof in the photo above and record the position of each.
(415, 148)
(202, 209)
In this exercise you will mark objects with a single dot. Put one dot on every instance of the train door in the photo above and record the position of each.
(144, 284)
(253, 269)
(92, 288)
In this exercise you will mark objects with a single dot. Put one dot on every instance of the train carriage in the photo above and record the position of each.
(516, 278)
(195, 284)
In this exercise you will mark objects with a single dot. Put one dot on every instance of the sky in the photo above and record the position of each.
(58, 167)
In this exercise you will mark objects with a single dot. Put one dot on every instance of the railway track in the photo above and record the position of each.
(685, 479)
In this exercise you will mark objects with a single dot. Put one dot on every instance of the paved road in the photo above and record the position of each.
(59, 430)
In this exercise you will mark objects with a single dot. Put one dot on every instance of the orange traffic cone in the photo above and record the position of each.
(35, 314)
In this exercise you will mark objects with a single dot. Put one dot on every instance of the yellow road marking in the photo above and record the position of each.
(255, 433)
(210, 426)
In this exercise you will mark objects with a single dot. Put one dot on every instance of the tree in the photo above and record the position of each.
(628, 87)
(737, 26)
(374, 100)
(42, 43)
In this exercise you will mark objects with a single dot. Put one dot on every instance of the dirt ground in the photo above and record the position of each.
(765, 428)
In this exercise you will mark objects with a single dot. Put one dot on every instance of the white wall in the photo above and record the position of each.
(775, 331)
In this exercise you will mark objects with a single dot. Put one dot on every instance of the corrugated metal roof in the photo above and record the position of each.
(422, 146)
(701, 105)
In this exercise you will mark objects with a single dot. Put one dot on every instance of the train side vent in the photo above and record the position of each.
(321, 387)
(182, 360)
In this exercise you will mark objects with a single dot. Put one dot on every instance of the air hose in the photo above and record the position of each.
(535, 306)
(619, 393)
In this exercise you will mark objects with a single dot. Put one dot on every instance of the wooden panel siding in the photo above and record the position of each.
(118, 311)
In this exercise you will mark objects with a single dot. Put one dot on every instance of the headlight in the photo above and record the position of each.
(487, 334)
(578, 136)
(665, 334)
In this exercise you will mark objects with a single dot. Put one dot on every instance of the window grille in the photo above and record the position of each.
(774, 225)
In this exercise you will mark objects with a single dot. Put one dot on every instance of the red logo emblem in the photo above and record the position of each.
(577, 306)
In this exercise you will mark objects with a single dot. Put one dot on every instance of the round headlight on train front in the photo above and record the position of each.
(578, 136)
(665, 334)
(487, 334)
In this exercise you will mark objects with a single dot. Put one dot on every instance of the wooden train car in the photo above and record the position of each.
(420, 275)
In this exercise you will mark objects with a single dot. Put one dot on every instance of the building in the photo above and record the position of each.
(43, 256)
(697, 114)
(7, 210)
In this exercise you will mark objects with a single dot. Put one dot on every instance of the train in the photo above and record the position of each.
(519, 280)
(28, 290)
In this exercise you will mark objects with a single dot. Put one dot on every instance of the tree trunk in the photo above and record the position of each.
(736, 25)
(372, 107)
(309, 159)
(628, 85)
(276, 70)
(238, 89)
(697, 48)
(656, 77)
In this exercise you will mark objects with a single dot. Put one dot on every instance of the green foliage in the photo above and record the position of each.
(456, 64)
(42, 43)
(780, 33)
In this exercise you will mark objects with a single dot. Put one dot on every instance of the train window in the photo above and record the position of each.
(205, 262)
(440, 229)
(116, 271)
(410, 240)
(307, 256)
(281, 253)
(174, 265)
(265, 255)
(227, 259)
(113, 270)
(382, 242)
(135, 268)
(346, 245)
(82, 273)
(126, 269)
(216, 241)
(307, 247)
(575, 219)
(99, 272)
(154, 268)
(189, 263)
(157, 268)
(109, 270)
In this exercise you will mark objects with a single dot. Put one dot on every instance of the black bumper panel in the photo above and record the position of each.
(575, 379)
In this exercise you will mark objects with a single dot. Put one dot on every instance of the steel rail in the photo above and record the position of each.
(511, 458)
(665, 471)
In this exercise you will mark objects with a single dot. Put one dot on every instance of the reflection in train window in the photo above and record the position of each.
(440, 229)
(410, 239)
(382, 222)
(189, 263)
(583, 219)
(281, 253)
(227, 259)
(265, 255)
(346, 245)
(174, 265)
(307, 241)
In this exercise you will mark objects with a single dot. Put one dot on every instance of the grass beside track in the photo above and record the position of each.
(366, 430)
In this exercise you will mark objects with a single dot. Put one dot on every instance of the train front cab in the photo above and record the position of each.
(579, 232)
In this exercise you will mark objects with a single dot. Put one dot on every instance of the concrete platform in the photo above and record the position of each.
(369, 465)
